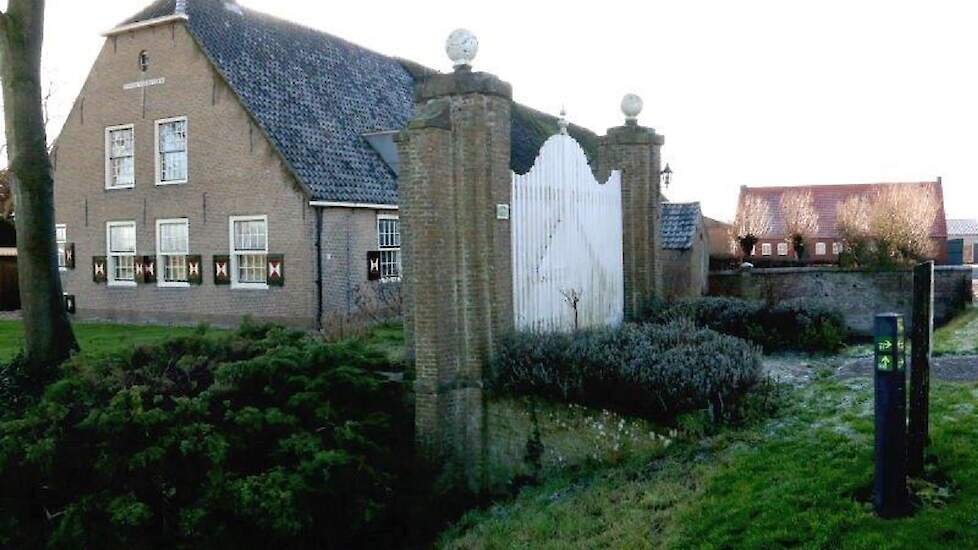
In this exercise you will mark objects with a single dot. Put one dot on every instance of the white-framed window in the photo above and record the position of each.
(753, 250)
(819, 249)
(171, 151)
(61, 237)
(172, 247)
(120, 239)
(837, 248)
(249, 251)
(765, 249)
(782, 249)
(389, 241)
(120, 150)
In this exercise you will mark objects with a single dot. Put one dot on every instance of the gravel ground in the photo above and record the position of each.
(800, 370)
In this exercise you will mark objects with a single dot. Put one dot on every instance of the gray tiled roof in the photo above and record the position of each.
(962, 227)
(316, 95)
(680, 222)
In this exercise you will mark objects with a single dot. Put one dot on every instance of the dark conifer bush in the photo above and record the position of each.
(261, 438)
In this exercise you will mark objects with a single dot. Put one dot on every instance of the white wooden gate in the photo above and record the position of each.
(567, 242)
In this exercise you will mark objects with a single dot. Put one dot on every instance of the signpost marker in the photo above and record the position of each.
(890, 497)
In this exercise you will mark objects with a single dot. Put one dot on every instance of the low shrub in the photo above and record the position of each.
(263, 437)
(801, 324)
(656, 371)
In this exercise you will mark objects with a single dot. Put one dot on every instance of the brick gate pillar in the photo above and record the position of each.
(455, 191)
(636, 151)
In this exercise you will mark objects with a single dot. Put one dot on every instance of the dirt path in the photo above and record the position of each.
(800, 370)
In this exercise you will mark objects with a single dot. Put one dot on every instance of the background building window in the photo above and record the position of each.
(171, 138)
(766, 249)
(249, 251)
(389, 240)
(173, 244)
(121, 237)
(782, 249)
(144, 61)
(119, 157)
(61, 236)
(819, 249)
(837, 248)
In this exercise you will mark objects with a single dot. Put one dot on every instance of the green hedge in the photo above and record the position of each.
(794, 325)
(264, 437)
(656, 371)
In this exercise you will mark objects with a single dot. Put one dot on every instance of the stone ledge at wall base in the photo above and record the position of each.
(179, 319)
(858, 294)
(532, 437)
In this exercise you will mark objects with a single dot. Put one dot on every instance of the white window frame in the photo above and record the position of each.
(836, 248)
(58, 243)
(765, 249)
(108, 157)
(782, 249)
(156, 150)
(821, 249)
(382, 248)
(109, 263)
(235, 284)
(161, 258)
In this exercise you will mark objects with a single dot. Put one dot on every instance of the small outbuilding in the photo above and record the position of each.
(685, 250)
(962, 240)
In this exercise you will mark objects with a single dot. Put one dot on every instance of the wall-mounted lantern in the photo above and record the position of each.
(666, 175)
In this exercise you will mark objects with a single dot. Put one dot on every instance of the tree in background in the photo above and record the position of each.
(48, 336)
(901, 221)
(753, 221)
(800, 219)
(852, 219)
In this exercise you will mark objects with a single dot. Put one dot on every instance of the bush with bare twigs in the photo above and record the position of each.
(753, 220)
(889, 229)
(800, 219)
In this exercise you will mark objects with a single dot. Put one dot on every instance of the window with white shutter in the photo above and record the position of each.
(389, 241)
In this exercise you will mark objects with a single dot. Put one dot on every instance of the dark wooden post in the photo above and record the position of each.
(922, 337)
(890, 497)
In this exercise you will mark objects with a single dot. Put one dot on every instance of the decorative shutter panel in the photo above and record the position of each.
(70, 256)
(100, 269)
(373, 265)
(149, 269)
(69, 303)
(276, 270)
(222, 270)
(195, 270)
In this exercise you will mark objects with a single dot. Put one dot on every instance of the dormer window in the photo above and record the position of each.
(144, 61)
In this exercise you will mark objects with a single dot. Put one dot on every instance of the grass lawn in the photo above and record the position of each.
(92, 337)
(960, 336)
(800, 480)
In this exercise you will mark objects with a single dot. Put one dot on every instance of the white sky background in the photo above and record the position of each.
(750, 92)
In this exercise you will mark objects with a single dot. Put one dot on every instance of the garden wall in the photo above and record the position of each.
(569, 435)
(859, 295)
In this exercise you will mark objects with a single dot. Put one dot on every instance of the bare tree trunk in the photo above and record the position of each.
(49, 339)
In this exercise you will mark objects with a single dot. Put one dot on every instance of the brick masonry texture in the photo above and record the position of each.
(859, 295)
(455, 160)
(635, 151)
(684, 271)
(232, 171)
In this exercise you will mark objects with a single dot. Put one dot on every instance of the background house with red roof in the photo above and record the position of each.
(825, 246)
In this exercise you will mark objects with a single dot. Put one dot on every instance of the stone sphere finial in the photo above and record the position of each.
(631, 106)
(562, 121)
(462, 47)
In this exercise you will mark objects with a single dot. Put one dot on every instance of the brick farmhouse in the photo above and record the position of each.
(221, 163)
(825, 246)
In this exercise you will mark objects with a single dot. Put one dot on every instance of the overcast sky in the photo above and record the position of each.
(746, 92)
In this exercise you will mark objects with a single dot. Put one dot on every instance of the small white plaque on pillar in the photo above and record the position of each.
(502, 211)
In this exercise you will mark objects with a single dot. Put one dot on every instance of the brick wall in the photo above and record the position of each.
(859, 295)
(684, 272)
(635, 151)
(233, 170)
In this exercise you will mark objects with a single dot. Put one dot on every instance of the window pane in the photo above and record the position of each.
(62, 258)
(125, 268)
(122, 238)
(173, 136)
(174, 238)
(250, 235)
(251, 268)
(175, 269)
(173, 166)
(389, 233)
(120, 143)
(122, 171)
(61, 233)
(390, 264)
